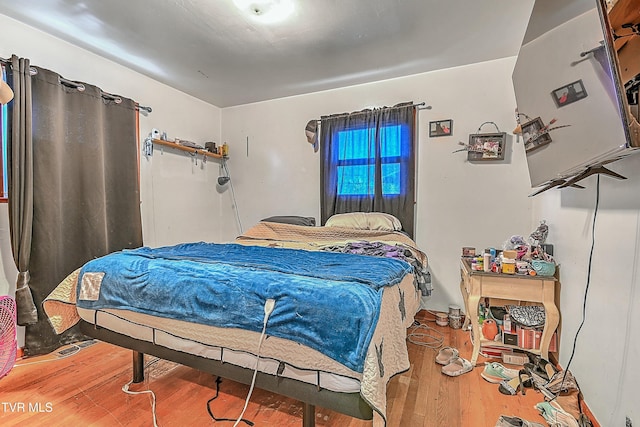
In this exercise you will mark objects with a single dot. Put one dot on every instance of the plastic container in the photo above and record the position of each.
(506, 323)
(509, 266)
(486, 261)
(522, 267)
(442, 319)
(543, 268)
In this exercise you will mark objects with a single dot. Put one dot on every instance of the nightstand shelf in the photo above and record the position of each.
(539, 289)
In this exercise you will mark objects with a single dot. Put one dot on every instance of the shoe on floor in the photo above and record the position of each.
(446, 355)
(457, 367)
(519, 383)
(555, 415)
(495, 373)
(505, 421)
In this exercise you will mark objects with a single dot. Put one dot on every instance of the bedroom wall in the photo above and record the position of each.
(280, 175)
(458, 203)
(608, 344)
(179, 197)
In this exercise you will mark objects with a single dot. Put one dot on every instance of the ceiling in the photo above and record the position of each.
(214, 51)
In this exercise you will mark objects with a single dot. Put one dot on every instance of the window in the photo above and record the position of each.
(368, 163)
(356, 161)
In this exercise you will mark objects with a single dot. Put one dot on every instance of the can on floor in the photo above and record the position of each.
(442, 319)
(454, 310)
(455, 322)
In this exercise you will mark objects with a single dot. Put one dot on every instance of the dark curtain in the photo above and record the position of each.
(20, 183)
(379, 145)
(86, 197)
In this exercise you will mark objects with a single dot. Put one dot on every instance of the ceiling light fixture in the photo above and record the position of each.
(266, 11)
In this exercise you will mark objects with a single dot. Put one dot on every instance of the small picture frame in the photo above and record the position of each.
(440, 128)
(486, 146)
(568, 94)
(533, 135)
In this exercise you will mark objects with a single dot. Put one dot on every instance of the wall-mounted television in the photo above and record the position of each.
(576, 83)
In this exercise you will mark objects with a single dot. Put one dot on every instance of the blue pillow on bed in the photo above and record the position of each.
(292, 219)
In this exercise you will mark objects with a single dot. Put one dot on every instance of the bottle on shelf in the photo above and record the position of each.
(506, 323)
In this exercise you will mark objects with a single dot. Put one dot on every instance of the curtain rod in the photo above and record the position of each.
(33, 71)
(419, 106)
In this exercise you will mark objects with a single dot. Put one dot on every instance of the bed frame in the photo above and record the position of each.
(310, 395)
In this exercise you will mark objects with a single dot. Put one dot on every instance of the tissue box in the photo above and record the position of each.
(515, 358)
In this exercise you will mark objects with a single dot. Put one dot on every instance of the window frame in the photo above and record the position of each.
(404, 143)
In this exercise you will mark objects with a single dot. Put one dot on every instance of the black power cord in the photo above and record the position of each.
(218, 381)
(586, 290)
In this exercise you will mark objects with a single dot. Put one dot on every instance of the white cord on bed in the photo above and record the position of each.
(268, 308)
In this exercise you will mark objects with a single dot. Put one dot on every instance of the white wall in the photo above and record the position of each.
(179, 198)
(458, 203)
(605, 362)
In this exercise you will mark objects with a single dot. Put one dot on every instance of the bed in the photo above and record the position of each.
(341, 359)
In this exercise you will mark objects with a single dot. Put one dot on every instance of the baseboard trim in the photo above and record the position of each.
(589, 414)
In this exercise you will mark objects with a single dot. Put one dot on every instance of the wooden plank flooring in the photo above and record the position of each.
(85, 390)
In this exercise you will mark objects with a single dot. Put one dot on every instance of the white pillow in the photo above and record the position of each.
(365, 221)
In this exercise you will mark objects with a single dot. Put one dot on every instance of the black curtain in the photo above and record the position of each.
(86, 197)
(20, 184)
(379, 145)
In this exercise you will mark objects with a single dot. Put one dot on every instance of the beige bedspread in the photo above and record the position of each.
(387, 354)
(315, 238)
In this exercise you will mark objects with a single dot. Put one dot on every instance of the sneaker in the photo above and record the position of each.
(555, 415)
(495, 373)
(505, 421)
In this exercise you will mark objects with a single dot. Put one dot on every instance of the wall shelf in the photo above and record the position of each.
(177, 146)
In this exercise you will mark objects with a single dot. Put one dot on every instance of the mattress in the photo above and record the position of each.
(279, 356)
(385, 357)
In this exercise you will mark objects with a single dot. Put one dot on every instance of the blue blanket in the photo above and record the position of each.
(327, 301)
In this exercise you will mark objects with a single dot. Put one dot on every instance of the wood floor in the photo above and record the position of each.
(85, 390)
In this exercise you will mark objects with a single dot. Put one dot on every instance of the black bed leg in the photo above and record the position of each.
(308, 415)
(138, 367)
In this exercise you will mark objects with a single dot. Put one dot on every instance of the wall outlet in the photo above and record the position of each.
(628, 422)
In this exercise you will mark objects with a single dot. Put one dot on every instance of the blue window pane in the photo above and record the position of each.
(356, 180)
(391, 137)
(358, 146)
(359, 180)
(355, 144)
(391, 179)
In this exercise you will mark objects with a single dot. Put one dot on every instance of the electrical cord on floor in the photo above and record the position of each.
(586, 289)
(125, 388)
(74, 349)
(431, 338)
(218, 381)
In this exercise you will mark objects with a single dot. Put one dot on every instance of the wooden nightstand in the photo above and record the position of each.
(478, 284)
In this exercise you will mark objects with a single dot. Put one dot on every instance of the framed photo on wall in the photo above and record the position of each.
(533, 135)
(568, 94)
(486, 146)
(441, 128)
